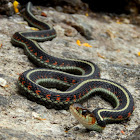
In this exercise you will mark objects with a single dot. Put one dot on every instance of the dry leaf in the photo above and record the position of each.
(87, 14)
(0, 45)
(99, 55)
(43, 14)
(112, 36)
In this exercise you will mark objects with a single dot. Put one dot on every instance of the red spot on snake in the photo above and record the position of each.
(23, 82)
(68, 98)
(35, 53)
(83, 93)
(58, 97)
(90, 88)
(80, 95)
(48, 96)
(47, 60)
(19, 78)
(29, 86)
(129, 114)
(37, 92)
(58, 78)
(55, 63)
(74, 97)
(62, 64)
(65, 79)
(42, 76)
(120, 116)
(41, 57)
(29, 48)
(73, 81)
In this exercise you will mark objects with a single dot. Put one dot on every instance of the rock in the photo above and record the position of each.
(135, 135)
(3, 101)
(6, 134)
(6, 7)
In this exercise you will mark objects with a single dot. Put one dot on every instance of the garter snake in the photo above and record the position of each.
(75, 79)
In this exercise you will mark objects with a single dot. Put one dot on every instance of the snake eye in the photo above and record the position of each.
(84, 112)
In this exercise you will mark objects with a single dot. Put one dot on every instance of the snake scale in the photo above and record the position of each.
(75, 80)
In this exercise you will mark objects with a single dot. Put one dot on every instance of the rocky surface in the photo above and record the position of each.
(135, 135)
(115, 47)
(6, 7)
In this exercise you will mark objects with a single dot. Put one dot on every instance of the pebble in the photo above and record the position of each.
(59, 8)
(3, 82)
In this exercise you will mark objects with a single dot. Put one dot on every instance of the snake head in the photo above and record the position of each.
(85, 117)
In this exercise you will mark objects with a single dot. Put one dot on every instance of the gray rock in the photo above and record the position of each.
(3, 101)
(135, 135)
(7, 134)
(6, 7)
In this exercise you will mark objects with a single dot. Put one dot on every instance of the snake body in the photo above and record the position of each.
(76, 80)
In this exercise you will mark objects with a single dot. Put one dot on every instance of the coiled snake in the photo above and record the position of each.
(75, 79)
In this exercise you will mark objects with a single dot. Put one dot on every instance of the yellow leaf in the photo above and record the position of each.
(87, 14)
(16, 10)
(118, 22)
(15, 5)
(86, 44)
(138, 53)
(83, 44)
(35, 29)
(78, 42)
